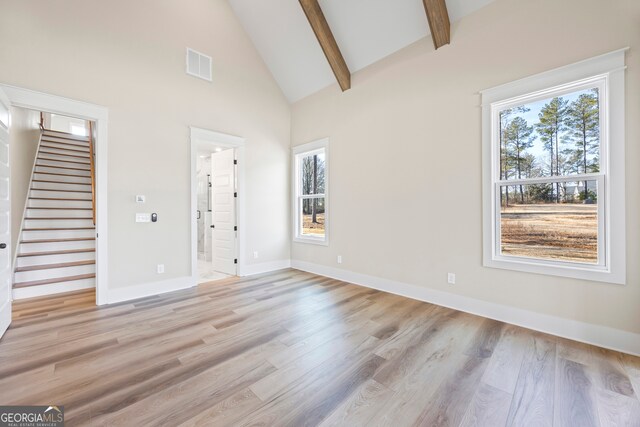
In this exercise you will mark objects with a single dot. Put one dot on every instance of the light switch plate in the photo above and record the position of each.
(143, 217)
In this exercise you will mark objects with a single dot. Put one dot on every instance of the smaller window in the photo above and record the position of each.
(311, 178)
(79, 130)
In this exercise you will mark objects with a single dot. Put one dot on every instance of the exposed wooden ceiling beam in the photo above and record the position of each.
(327, 42)
(438, 18)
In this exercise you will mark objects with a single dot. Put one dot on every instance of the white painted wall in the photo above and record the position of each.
(130, 58)
(406, 143)
(23, 144)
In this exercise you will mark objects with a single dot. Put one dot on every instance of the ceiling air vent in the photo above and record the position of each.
(198, 65)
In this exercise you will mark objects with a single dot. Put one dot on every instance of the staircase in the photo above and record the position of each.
(56, 251)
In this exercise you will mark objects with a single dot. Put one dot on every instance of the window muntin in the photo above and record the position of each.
(311, 179)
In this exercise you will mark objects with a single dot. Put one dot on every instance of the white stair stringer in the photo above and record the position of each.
(56, 250)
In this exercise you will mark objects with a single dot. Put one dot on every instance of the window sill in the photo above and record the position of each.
(591, 273)
(311, 240)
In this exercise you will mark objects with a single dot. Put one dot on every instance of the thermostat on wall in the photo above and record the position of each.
(140, 199)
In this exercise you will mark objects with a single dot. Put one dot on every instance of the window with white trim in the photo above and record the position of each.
(553, 166)
(311, 180)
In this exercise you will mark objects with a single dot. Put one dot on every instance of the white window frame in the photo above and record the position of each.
(607, 73)
(298, 153)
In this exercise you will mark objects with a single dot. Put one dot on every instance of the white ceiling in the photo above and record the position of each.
(365, 30)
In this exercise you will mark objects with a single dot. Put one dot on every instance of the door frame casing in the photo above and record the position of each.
(6, 306)
(204, 138)
(39, 101)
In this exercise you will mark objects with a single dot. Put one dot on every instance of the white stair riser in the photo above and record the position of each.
(58, 213)
(54, 259)
(54, 163)
(65, 138)
(56, 246)
(70, 179)
(63, 157)
(64, 151)
(49, 144)
(59, 195)
(52, 273)
(67, 157)
(58, 234)
(53, 288)
(60, 186)
(55, 169)
(58, 223)
(34, 203)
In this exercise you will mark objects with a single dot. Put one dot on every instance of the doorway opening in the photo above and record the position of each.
(69, 119)
(53, 203)
(216, 204)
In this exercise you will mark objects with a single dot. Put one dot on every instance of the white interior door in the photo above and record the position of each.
(223, 205)
(5, 219)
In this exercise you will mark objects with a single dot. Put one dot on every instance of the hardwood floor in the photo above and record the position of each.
(294, 349)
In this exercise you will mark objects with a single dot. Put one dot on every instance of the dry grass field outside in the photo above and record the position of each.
(563, 232)
(316, 229)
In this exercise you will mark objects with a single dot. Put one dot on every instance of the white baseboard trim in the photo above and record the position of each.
(264, 267)
(602, 336)
(54, 288)
(128, 293)
(155, 288)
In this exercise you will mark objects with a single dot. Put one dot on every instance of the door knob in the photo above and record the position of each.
(213, 226)
(3, 245)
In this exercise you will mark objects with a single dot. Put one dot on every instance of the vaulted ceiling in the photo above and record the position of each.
(365, 31)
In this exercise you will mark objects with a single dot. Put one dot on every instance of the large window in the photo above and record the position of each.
(311, 211)
(554, 172)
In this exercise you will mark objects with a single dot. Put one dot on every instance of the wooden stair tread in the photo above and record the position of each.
(70, 251)
(59, 229)
(60, 182)
(71, 239)
(63, 149)
(65, 155)
(61, 191)
(57, 265)
(62, 209)
(55, 280)
(66, 218)
(62, 161)
(56, 198)
(61, 167)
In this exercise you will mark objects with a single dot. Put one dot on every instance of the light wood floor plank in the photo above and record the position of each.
(534, 395)
(489, 407)
(575, 403)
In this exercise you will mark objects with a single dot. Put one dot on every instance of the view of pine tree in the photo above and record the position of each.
(584, 121)
(506, 161)
(552, 123)
(517, 140)
(558, 136)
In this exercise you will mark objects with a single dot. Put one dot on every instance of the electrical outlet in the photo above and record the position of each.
(451, 278)
(255, 254)
(339, 259)
(160, 268)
